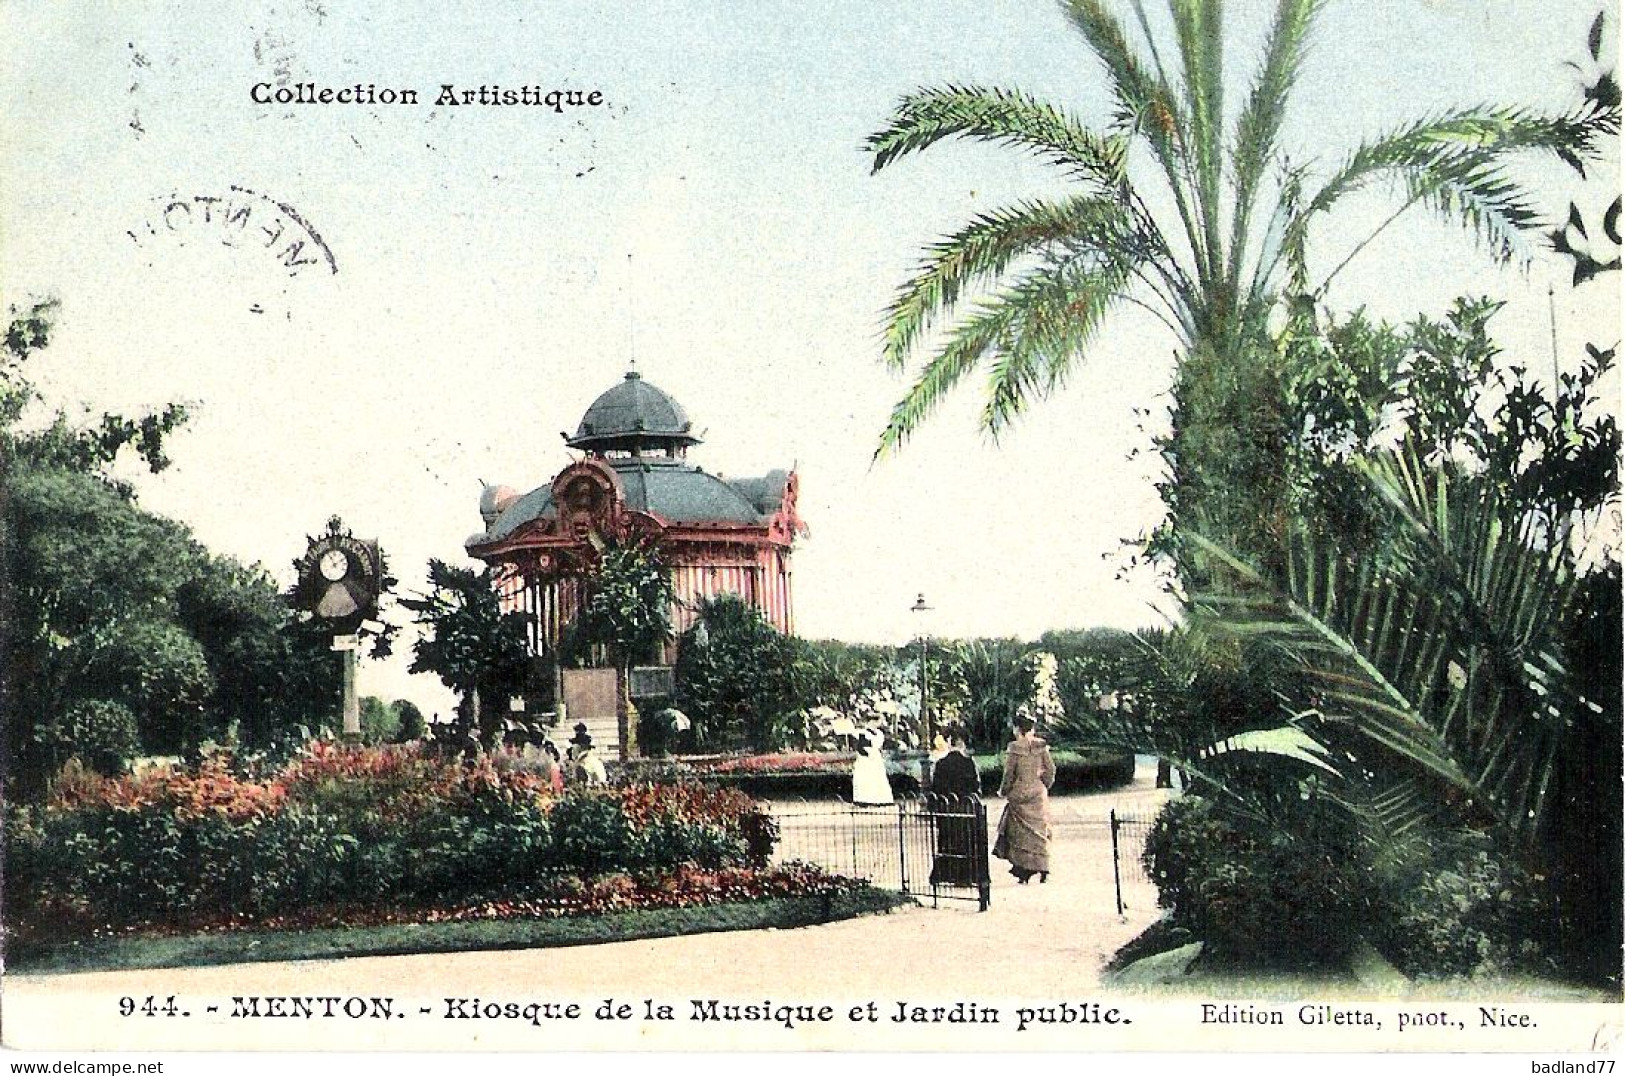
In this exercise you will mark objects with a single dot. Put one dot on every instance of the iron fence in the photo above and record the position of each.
(926, 846)
(1129, 832)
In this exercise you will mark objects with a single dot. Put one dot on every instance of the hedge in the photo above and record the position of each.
(1082, 769)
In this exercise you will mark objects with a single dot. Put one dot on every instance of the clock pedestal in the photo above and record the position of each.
(348, 645)
(352, 705)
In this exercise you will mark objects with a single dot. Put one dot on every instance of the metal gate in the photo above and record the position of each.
(925, 846)
(1129, 832)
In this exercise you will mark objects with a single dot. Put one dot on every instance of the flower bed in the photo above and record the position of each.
(548, 897)
(780, 776)
(353, 829)
(799, 776)
(786, 762)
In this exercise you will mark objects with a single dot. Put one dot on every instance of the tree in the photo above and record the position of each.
(1044, 274)
(413, 725)
(113, 603)
(628, 612)
(477, 649)
(123, 633)
(1448, 663)
(101, 734)
(380, 721)
(993, 680)
(737, 677)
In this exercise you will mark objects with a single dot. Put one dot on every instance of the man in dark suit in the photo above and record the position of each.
(961, 854)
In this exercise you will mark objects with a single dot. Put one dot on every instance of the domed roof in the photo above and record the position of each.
(633, 415)
(681, 494)
(495, 499)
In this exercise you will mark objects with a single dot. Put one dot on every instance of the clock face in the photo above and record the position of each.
(334, 565)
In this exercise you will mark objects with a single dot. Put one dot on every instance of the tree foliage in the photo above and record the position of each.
(737, 678)
(628, 606)
(467, 639)
(413, 725)
(628, 612)
(124, 634)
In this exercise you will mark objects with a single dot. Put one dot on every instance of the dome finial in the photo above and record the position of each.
(632, 370)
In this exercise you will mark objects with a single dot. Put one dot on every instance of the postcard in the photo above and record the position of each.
(1084, 526)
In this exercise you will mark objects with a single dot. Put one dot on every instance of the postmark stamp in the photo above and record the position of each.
(240, 218)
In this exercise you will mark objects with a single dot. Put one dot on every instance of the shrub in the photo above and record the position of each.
(802, 784)
(1082, 769)
(997, 682)
(737, 686)
(161, 673)
(118, 864)
(343, 825)
(1456, 906)
(590, 831)
(693, 823)
(1291, 892)
(648, 771)
(494, 841)
(100, 733)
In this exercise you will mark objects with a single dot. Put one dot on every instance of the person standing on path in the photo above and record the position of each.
(961, 852)
(587, 767)
(1024, 831)
(870, 788)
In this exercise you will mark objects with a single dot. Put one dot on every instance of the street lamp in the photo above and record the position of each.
(925, 710)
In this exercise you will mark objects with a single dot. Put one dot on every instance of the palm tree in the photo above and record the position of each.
(1025, 287)
(1437, 670)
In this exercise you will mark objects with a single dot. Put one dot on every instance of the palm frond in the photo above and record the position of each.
(1052, 329)
(1009, 117)
(1028, 318)
(1443, 659)
(981, 251)
(1150, 40)
(1146, 102)
(1452, 163)
(1494, 131)
(1283, 243)
(1157, 717)
(1261, 117)
(1199, 29)
(1283, 741)
(966, 345)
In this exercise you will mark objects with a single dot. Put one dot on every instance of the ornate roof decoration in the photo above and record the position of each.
(634, 416)
(635, 479)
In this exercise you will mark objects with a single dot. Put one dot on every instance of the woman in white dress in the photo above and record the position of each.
(869, 785)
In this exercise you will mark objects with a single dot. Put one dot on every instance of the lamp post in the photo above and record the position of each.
(925, 709)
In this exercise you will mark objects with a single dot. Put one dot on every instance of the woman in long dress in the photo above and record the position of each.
(1029, 771)
(869, 785)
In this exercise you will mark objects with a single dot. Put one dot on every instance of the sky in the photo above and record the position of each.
(714, 220)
